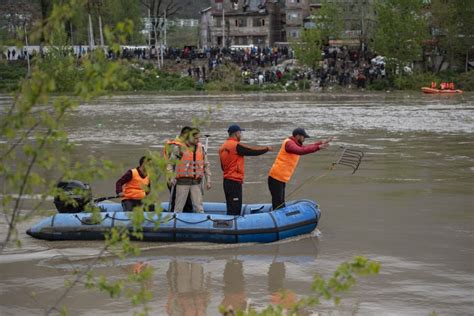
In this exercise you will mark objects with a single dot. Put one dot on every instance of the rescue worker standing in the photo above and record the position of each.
(231, 155)
(286, 162)
(133, 186)
(175, 146)
(191, 169)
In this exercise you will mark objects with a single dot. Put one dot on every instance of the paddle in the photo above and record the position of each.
(105, 198)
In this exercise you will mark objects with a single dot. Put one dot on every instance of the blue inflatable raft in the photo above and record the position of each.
(256, 224)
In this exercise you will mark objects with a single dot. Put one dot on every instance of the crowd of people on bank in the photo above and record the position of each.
(187, 161)
(258, 65)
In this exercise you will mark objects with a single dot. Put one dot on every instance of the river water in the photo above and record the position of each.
(409, 206)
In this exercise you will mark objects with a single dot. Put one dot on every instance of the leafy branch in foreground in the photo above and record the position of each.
(342, 280)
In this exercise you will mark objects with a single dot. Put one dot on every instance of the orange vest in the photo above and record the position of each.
(232, 163)
(135, 188)
(191, 164)
(284, 165)
(169, 143)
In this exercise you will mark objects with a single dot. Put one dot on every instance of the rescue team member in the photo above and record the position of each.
(286, 162)
(232, 154)
(170, 146)
(133, 186)
(191, 169)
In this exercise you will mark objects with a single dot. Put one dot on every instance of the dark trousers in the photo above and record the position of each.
(128, 205)
(277, 190)
(188, 207)
(233, 196)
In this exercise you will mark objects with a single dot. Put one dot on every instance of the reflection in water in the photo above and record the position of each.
(188, 289)
(276, 277)
(234, 286)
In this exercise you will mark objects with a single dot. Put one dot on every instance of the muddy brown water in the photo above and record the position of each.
(409, 206)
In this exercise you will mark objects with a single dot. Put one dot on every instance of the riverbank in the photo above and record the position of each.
(145, 78)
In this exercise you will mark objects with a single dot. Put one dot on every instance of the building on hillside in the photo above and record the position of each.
(247, 22)
(359, 18)
(296, 12)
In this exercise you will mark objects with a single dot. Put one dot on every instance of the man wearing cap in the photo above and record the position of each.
(286, 162)
(232, 154)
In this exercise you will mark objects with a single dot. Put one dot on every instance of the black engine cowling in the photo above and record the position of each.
(73, 196)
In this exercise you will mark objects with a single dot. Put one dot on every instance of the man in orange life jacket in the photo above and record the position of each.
(191, 170)
(286, 162)
(133, 186)
(174, 146)
(232, 154)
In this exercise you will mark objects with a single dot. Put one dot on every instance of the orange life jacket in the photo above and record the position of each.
(284, 165)
(169, 144)
(232, 163)
(191, 164)
(135, 188)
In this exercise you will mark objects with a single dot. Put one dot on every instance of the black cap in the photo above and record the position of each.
(234, 128)
(300, 131)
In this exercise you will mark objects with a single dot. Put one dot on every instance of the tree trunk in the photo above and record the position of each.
(466, 65)
(91, 34)
(101, 33)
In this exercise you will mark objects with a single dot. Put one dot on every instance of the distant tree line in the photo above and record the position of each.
(20, 16)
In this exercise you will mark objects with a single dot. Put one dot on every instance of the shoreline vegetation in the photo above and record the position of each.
(145, 78)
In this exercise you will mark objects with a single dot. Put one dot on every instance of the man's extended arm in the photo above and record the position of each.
(293, 148)
(245, 150)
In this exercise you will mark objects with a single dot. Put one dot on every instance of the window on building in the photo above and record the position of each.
(258, 22)
(240, 22)
(219, 6)
(294, 16)
(294, 34)
(259, 40)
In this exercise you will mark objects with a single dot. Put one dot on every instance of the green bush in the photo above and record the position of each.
(11, 73)
(465, 81)
(415, 81)
(380, 85)
(304, 84)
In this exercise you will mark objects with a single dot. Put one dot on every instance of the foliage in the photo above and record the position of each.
(308, 50)
(415, 81)
(380, 85)
(35, 12)
(452, 20)
(224, 78)
(11, 73)
(342, 280)
(329, 21)
(35, 152)
(466, 81)
(400, 31)
(181, 36)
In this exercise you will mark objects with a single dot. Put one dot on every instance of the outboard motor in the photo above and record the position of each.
(74, 197)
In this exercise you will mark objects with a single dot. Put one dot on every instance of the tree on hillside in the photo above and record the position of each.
(453, 23)
(157, 10)
(328, 20)
(400, 31)
(15, 17)
(308, 49)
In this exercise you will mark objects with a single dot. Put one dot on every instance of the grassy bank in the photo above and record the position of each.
(227, 78)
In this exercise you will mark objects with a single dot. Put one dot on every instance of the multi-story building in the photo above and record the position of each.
(359, 17)
(296, 11)
(264, 22)
(248, 22)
